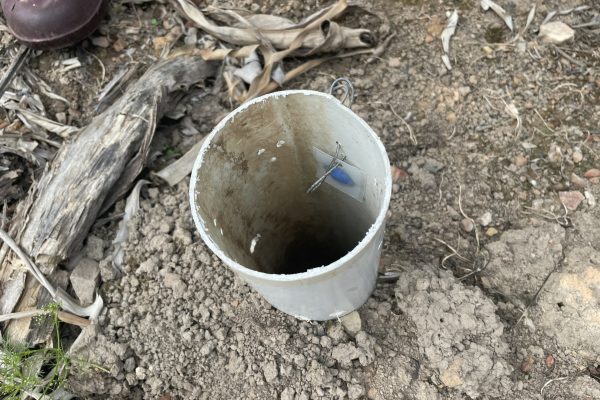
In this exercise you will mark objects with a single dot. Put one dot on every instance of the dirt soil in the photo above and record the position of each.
(499, 288)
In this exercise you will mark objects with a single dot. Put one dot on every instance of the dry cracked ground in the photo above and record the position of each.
(493, 225)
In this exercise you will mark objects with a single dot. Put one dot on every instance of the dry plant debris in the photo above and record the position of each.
(274, 38)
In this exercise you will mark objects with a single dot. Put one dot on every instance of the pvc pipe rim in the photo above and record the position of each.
(314, 272)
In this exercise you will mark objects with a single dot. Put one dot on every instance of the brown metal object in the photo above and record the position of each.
(51, 24)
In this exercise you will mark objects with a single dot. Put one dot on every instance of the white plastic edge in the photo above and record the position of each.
(314, 272)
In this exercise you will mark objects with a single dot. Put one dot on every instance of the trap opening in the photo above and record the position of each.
(251, 188)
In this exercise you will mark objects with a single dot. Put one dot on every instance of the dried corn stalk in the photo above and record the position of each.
(275, 38)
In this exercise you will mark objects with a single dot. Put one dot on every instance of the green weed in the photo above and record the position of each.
(33, 370)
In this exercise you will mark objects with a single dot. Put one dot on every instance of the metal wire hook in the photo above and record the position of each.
(345, 85)
(336, 161)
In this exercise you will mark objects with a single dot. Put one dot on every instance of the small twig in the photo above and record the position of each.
(59, 295)
(563, 221)
(467, 217)
(535, 297)
(62, 315)
(568, 57)
(552, 380)
(411, 134)
(379, 50)
(27, 261)
(101, 66)
(73, 319)
(4, 215)
(440, 187)
(15, 67)
(454, 253)
(545, 124)
(453, 133)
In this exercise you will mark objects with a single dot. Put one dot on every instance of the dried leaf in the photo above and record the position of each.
(575, 9)
(550, 15)
(250, 70)
(64, 131)
(178, 170)
(487, 4)
(280, 38)
(446, 61)
(275, 38)
(512, 110)
(449, 31)
(590, 199)
(66, 301)
(132, 205)
(115, 83)
(530, 17)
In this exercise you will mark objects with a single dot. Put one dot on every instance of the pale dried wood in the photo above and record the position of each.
(86, 176)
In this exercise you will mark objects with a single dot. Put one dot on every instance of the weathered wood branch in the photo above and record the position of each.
(88, 175)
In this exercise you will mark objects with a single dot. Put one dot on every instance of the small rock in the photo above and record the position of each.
(491, 232)
(61, 117)
(592, 173)
(433, 165)
(394, 62)
(129, 364)
(451, 377)
(527, 365)
(467, 224)
(160, 42)
(520, 160)
(207, 348)
(590, 199)
(153, 193)
(578, 181)
(451, 118)
(352, 323)
(100, 41)
(355, 391)
(183, 236)
(118, 45)
(140, 373)
(550, 360)
(164, 227)
(571, 200)
(555, 154)
(191, 37)
(345, 353)
(336, 333)
(485, 219)
(174, 282)
(464, 91)
(288, 394)
(84, 279)
(270, 371)
(556, 32)
(398, 173)
(147, 267)
(577, 155)
(95, 248)
(107, 271)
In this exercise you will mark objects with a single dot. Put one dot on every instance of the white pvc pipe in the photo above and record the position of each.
(312, 255)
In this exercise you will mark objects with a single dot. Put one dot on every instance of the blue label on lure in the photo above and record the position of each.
(346, 177)
(342, 177)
